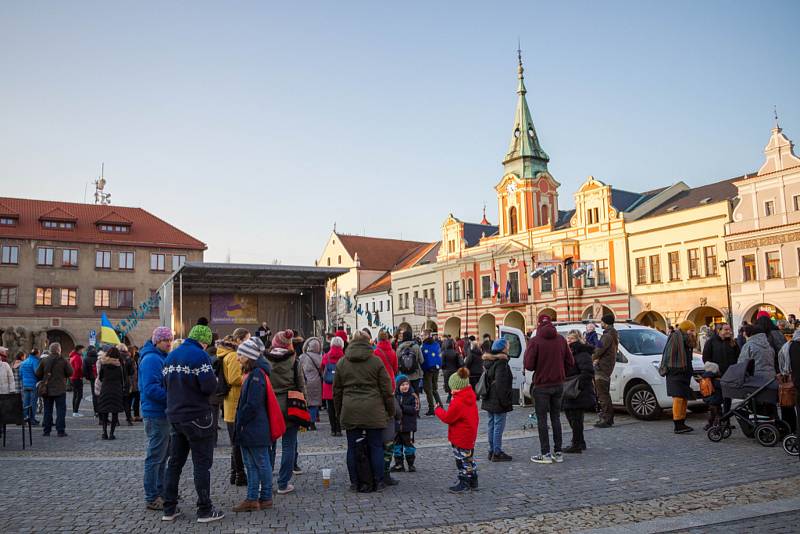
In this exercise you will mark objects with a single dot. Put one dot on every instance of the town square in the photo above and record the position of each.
(360, 267)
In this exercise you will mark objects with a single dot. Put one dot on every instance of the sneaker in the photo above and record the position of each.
(558, 457)
(76, 414)
(461, 487)
(172, 516)
(542, 459)
(156, 504)
(288, 489)
(215, 515)
(297, 470)
(501, 457)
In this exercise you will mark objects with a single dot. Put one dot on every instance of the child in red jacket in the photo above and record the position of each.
(462, 418)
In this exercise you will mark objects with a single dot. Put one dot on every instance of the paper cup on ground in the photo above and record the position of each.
(326, 478)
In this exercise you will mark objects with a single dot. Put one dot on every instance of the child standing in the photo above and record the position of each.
(462, 418)
(405, 426)
(712, 393)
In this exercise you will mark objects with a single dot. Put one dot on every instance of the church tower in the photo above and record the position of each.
(527, 196)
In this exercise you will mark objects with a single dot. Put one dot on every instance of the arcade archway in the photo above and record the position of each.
(486, 325)
(515, 320)
(452, 327)
(653, 320)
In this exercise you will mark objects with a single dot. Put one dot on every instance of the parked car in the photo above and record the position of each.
(635, 383)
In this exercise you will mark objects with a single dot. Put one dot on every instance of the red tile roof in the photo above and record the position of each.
(415, 255)
(145, 228)
(377, 253)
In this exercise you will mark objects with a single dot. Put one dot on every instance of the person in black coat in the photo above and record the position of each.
(586, 399)
(723, 350)
(89, 371)
(112, 392)
(405, 425)
(474, 363)
(498, 400)
(451, 362)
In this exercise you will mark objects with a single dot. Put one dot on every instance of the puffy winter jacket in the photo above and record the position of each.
(499, 381)
(759, 349)
(251, 428)
(361, 391)
(462, 418)
(548, 356)
(151, 381)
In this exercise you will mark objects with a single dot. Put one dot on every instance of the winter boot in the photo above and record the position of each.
(241, 479)
(575, 448)
(461, 487)
(410, 461)
(398, 465)
(105, 430)
(473, 482)
(681, 427)
(111, 435)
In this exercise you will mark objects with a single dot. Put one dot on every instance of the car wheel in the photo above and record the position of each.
(642, 403)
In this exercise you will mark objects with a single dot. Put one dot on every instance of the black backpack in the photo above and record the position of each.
(408, 360)
(223, 388)
(363, 466)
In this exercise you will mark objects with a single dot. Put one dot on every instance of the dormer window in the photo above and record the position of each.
(593, 216)
(114, 228)
(8, 221)
(58, 225)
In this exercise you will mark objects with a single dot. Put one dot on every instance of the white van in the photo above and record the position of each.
(635, 382)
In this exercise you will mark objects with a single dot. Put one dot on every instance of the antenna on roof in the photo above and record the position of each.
(100, 196)
(775, 109)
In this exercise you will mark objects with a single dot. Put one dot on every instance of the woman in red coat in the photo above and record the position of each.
(386, 353)
(461, 416)
(328, 371)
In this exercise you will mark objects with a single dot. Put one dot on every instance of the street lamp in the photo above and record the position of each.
(725, 263)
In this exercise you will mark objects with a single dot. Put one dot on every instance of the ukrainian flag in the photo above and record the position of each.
(107, 332)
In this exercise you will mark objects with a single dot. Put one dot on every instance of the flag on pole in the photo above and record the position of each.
(508, 289)
(496, 288)
(107, 332)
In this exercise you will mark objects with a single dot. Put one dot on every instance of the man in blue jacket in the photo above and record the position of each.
(154, 406)
(189, 380)
(30, 398)
(432, 355)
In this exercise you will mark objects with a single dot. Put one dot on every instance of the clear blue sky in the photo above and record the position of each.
(254, 126)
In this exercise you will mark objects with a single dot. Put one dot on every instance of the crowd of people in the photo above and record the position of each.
(268, 387)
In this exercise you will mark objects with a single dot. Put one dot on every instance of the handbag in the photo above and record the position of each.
(482, 388)
(277, 425)
(296, 409)
(787, 392)
(572, 387)
(41, 385)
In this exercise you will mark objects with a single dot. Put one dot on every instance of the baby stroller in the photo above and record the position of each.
(739, 382)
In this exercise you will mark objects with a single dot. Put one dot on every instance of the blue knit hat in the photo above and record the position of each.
(499, 344)
(399, 379)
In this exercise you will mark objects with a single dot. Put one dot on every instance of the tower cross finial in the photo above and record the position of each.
(520, 70)
(775, 110)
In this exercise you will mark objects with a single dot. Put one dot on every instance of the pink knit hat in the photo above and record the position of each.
(283, 340)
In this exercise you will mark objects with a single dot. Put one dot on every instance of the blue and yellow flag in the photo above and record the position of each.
(107, 332)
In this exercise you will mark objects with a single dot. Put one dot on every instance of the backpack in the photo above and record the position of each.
(706, 387)
(363, 466)
(408, 360)
(330, 373)
(223, 388)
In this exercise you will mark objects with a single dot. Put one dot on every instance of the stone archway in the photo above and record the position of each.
(452, 327)
(774, 312)
(705, 315)
(487, 325)
(431, 325)
(550, 312)
(59, 335)
(588, 313)
(403, 327)
(515, 320)
(653, 320)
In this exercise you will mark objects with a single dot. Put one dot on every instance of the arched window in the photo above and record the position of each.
(340, 259)
(329, 262)
(545, 214)
(470, 294)
(512, 220)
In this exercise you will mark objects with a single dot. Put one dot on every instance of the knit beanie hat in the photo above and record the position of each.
(161, 333)
(283, 340)
(399, 379)
(685, 326)
(608, 319)
(459, 379)
(499, 344)
(201, 334)
(258, 342)
(249, 349)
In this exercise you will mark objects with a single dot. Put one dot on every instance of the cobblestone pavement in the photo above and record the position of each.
(785, 523)
(634, 472)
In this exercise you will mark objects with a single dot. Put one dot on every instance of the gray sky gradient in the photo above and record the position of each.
(255, 126)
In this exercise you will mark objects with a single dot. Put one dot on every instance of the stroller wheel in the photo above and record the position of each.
(726, 432)
(783, 427)
(791, 446)
(767, 434)
(715, 434)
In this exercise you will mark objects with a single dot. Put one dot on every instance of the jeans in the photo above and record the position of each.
(602, 386)
(237, 464)
(77, 394)
(135, 398)
(548, 401)
(259, 473)
(497, 424)
(333, 416)
(61, 412)
(155, 462)
(288, 454)
(313, 411)
(431, 387)
(30, 398)
(375, 442)
(196, 437)
(575, 420)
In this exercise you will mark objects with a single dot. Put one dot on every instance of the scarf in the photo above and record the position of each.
(674, 356)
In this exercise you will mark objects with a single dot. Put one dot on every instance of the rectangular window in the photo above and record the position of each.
(153, 293)
(769, 208)
(655, 269)
(69, 257)
(102, 259)
(44, 256)
(674, 266)
(381, 305)
(69, 297)
(641, 271)
(177, 262)
(457, 287)
(694, 262)
(749, 268)
(449, 291)
(44, 296)
(114, 228)
(10, 255)
(157, 262)
(388, 305)
(451, 246)
(588, 279)
(102, 298)
(7, 221)
(602, 272)
(486, 287)
(547, 283)
(58, 225)
(514, 278)
(773, 265)
(126, 261)
(796, 202)
(710, 255)
(8, 296)
(125, 298)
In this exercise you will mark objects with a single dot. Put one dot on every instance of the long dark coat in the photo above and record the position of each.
(111, 389)
(583, 367)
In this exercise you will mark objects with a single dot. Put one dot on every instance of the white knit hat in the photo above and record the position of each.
(248, 349)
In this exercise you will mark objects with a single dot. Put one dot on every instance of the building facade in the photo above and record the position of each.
(64, 264)
(763, 238)
(417, 293)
